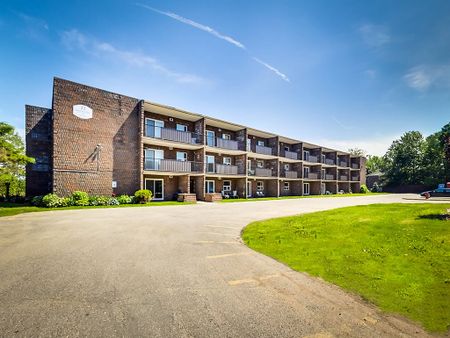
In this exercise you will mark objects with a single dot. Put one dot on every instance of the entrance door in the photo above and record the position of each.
(153, 128)
(193, 186)
(249, 145)
(249, 189)
(323, 188)
(305, 188)
(209, 163)
(305, 172)
(153, 159)
(156, 186)
(210, 138)
(209, 187)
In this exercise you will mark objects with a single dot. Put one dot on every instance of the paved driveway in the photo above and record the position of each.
(174, 271)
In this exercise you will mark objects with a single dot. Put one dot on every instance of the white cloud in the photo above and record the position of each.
(423, 77)
(216, 34)
(196, 25)
(74, 40)
(373, 146)
(374, 36)
(370, 73)
(34, 28)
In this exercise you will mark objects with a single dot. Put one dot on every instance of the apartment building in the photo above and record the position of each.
(106, 143)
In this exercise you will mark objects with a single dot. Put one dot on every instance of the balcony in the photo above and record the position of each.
(329, 161)
(311, 158)
(313, 176)
(172, 134)
(355, 166)
(262, 172)
(343, 178)
(355, 178)
(343, 164)
(290, 154)
(263, 150)
(290, 174)
(172, 166)
(225, 169)
(329, 177)
(222, 143)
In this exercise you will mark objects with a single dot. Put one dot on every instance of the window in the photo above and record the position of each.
(286, 148)
(209, 187)
(305, 172)
(260, 186)
(226, 136)
(181, 156)
(305, 188)
(227, 160)
(226, 185)
(209, 163)
(259, 164)
(210, 138)
(287, 166)
(153, 128)
(181, 127)
(261, 143)
(286, 186)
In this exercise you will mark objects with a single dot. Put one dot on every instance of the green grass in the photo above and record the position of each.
(11, 209)
(396, 256)
(231, 200)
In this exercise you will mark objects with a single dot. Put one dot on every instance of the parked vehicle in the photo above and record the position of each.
(443, 190)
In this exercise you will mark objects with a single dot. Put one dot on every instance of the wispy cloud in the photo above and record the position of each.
(374, 36)
(74, 40)
(196, 25)
(215, 33)
(422, 77)
(377, 145)
(34, 28)
(273, 69)
(370, 73)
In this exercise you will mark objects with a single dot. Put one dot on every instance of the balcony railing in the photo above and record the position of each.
(172, 165)
(355, 178)
(355, 166)
(290, 154)
(329, 177)
(313, 176)
(260, 172)
(343, 164)
(311, 158)
(226, 169)
(329, 161)
(290, 174)
(263, 150)
(343, 178)
(172, 134)
(226, 144)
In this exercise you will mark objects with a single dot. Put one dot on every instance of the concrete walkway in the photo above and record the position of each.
(173, 271)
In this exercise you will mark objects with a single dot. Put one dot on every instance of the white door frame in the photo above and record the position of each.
(213, 137)
(304, 190)
(249, 188)
(157, 131)
(323, 188)
(208, 163)
(153, 193)
(213, 186)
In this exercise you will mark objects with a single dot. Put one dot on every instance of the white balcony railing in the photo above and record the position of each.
(172, 165)
(311, 158)
(263, 150)
(290, 154)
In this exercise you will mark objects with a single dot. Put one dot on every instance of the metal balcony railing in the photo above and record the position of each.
(227, 169)
(342, 164)
(172, 134)
(226, 144)
(172, 165)
(263, 150)
(355, 178)
(260, 172)
(290, 154)
(329, 161)
(329, 177)
(355, 166)
(290, 174)
(343, 178)
(313, 176)
(311, 158)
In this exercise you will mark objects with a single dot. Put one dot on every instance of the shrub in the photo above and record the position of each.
(80, 198)
(37, 201)
(113, 201)
(364, 189)
(52, 201)
(143, 196)
(125, 199)
(65, 202)
(98, 200)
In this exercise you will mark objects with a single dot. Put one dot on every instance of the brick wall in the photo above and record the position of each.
(38, 139)
(88, 154)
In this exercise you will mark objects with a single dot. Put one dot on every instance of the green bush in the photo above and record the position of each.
(364, 189)
(143, 196)
(113, 201)
(51, 201)
(37, 201)
(80, 198)
(65, 202)
(125, 199)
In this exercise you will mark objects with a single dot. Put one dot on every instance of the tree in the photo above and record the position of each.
(403, 162)
(433, 159)
(357, 152)
(445, 141)
(12, 161)
(374, 164)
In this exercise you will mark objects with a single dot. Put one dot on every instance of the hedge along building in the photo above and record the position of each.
(106, 143)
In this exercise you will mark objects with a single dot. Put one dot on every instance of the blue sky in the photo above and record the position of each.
(339, 73)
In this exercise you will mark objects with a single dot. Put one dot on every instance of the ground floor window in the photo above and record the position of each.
(286, 186)
(156, 186)
(260, 186)
(209, 187)
(305, 188)
(226, 185)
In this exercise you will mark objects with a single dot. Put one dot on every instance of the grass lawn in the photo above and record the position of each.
(232, 200)
(11, 209)
(397, 256)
